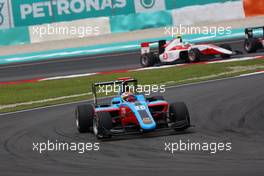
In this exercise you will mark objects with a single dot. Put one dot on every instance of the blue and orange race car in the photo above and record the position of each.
(130, 112)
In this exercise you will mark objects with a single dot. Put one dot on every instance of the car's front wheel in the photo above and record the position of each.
(148, 60)
(84, 115)
(251, 45)
(194, 55)
(179, 115)
(102, 125)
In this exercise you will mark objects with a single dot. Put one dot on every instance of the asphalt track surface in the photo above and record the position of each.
(83, 65)
(230, 110)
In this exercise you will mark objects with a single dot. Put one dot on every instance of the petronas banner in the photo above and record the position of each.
(30, 12)
(15, 13)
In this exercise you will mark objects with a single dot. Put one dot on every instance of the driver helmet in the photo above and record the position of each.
(128, 96)
(179, 38)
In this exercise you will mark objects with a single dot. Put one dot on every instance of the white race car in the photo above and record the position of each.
(170, 52)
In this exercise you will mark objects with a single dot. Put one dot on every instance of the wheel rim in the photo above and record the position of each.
(247, 46)
(95, 129)
(144, 60)
(77, 119)
(191, 56)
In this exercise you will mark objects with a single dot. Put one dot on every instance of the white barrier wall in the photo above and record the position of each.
(208, 13)
(6, 19)
(70, 30)
(89, 27)
(154, 15)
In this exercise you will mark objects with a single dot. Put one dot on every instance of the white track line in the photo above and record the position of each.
(67, 77)
(65, 60)
(154, 68)
(43, 101)
(251, 74)
(169, 87)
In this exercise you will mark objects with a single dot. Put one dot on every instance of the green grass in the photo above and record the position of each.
(11, 94)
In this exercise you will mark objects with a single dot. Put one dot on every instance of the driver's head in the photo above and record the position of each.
(128, 96)
(131, 98)
(179, 38)
(127, 88)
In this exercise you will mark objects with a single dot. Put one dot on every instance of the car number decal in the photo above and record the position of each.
(140, 107)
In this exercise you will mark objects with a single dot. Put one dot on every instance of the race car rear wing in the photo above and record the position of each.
(145, 47)
(103, 85)
(250, 31)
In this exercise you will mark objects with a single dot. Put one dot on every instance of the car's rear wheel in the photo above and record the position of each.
(84, 115)
(179, 115)
(227, 47)
(102, 125)
(251, 45)
(194, 55)
(148, 60)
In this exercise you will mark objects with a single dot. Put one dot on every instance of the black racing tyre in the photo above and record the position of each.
(148, 60)
(179, 115)
(194, 55)
(84, 115)
(162, 43)
(184, 56)
(102, 125)
(227, 47)
(251, 45)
